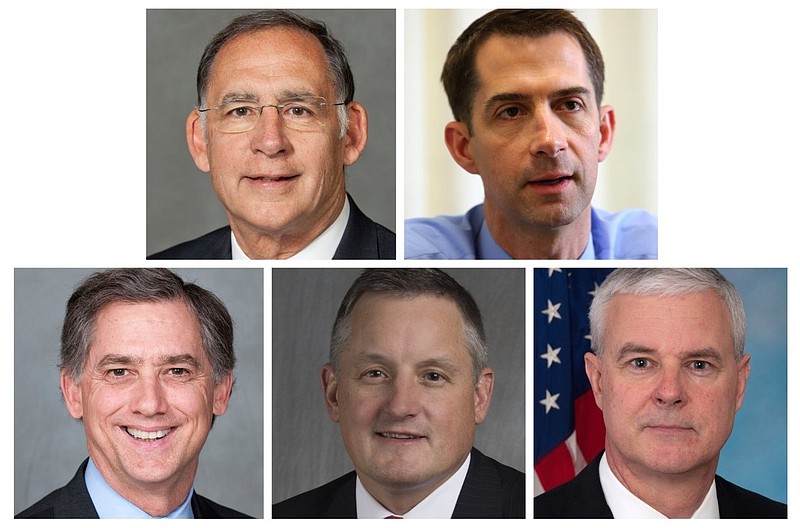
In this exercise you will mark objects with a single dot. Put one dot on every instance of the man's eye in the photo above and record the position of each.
(178, 371)
(572, 106)
(118, 372)
(375, 373)
(510, 112)
(640, 363)
(296, 111)
(700, 365)
(434, 376)
(241, 111)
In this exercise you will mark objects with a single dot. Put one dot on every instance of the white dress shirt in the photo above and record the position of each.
(438, 505)
(626, 505)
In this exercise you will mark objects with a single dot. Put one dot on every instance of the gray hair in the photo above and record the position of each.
(408, 284)
(143, 285)
(666, 282)
(338, 67)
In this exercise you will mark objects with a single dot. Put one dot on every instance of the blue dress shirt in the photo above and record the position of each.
(629, 234)
(111, 505)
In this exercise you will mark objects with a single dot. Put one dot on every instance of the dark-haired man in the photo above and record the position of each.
(275, 126)
(526, 88)
(146, 365)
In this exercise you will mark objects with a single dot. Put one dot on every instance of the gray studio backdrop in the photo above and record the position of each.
(307, 449)
(49, 445)
(181, 203)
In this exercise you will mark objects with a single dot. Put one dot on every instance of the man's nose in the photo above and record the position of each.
(669, 389)
(148, 396)
(547, 133)
(403, 399)
(269, 135)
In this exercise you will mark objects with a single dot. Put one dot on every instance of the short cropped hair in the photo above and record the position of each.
(408, 284)
(143, 285)
(666, 282)
(460, 76)
(338, 66)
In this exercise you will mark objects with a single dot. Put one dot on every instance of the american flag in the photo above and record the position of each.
(568, 426)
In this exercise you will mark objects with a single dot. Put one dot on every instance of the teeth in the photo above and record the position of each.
(398, 435)
(147, 435)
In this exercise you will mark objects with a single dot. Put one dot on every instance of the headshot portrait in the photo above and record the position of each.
(401, 394)
(138, 393)
(531, 134)
(660, 393)
(270, 134)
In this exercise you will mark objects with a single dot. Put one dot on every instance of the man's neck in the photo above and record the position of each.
(524, 241)
(286, 242)
(156, 499)
(677, 496)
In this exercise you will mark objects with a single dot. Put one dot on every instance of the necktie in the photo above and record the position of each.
(392, 517)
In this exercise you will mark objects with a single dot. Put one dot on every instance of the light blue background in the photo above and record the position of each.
(755, 455)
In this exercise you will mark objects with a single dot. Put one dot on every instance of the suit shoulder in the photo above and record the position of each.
(317, 503)
(213, 245)
(210, 509)
(43, 508)
(736, 502)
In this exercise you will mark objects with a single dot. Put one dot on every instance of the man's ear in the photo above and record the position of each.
(330, 389)
(592, 366)
(71, 390)
(457, 138)
(483, 394)
(356, 134)
(196, 140)
(222, 394)
(608, 123)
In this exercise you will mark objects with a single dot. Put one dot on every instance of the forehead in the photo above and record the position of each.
(275, 58)
(680, 322)
(520, 64)
(415, 326)
(142, 329)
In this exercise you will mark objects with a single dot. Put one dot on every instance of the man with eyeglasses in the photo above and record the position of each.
(275, 126)
(525, 87)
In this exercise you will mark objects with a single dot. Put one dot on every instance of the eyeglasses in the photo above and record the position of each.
(299, 113)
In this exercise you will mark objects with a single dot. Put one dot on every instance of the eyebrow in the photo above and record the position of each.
(432, 362)
(120, 359)
(249, 97)
(505, 97)
(632, 349)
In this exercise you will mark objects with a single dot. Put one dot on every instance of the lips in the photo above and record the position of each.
(399, 435)
(272, 178)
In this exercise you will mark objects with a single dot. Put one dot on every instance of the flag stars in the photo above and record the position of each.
(551, 355)
(549, 401)
(552, 311)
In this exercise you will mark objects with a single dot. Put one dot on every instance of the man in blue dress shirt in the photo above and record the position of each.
(526, 87)
(147, 366)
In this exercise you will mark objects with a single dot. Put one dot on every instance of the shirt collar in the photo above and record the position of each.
(438, 505)
(111, 505)
(321, 248)
(626, 505)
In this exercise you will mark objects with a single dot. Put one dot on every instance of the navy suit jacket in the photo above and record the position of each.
(74, 502)
(362, 239)
(490, 490)
(583, 498)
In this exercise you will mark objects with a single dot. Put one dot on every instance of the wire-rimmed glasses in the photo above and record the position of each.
(298, 113)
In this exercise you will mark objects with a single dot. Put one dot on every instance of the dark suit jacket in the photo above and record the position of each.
(362, 239)
(583, 498)
(490, 490)
(73, 502)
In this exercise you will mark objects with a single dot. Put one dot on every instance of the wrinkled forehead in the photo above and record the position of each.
(266, 59)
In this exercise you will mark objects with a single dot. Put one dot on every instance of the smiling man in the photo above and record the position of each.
(408, 382)
(525, 88)
(275, 126)
(146, 365)
(669, 374)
